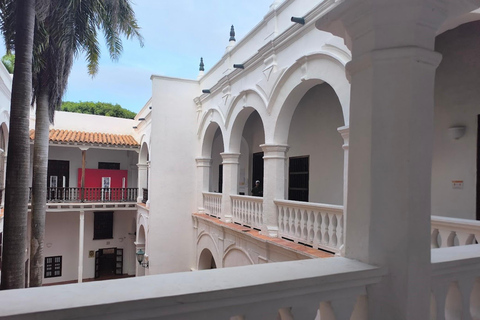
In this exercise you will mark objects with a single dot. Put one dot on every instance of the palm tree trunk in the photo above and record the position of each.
(39, 188)
(18, 161)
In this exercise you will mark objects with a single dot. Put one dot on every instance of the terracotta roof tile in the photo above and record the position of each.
(89, 137)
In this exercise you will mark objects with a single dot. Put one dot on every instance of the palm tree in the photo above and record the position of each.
(17, 174)
(68, 28)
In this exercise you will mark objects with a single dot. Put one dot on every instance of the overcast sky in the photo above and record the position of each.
(177, 34)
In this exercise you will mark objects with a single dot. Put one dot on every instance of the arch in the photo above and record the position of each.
(206, 260)
(141, 235)
(306, 73)
(4, 143)
(144, 153)
(207, 131)
(243, 106)
(235, 257)
(456, 21)
(205, 241)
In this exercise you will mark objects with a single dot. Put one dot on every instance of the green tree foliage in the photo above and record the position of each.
(98, 108)
(8, 61)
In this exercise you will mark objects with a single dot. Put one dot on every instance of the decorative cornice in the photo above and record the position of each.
(270, 48)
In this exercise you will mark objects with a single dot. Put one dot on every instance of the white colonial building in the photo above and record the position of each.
(360, 120)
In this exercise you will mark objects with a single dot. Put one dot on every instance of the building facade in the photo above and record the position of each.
(359, 119)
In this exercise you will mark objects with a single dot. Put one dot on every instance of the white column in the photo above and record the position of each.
(203, 178)
(230, 183)
(392, 76)
(345, 133)
(274, 184)
(149, 165)
(142, 180)
(81, 235)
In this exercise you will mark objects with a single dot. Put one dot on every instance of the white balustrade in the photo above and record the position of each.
(212, 203)
(449, 232)
(335, 288)
(314, 224)
(247, 211)
(456, 283)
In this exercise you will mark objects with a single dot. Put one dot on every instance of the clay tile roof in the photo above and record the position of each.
(67, 136)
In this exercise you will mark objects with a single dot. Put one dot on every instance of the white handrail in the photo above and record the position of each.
(212, 203)
(247, 210)
(314, 224)
(254, 292)
(449, 232)
(456, 282)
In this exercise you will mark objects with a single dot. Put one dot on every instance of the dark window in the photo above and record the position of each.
(298, 178)
(53, 267)
(103, 225)
(257, 168)
(58, 172)
(220, 178)
(109, 165)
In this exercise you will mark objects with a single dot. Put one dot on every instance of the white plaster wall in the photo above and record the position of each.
(173, 172)
(61, 239)
(457, 97)
(123, 237)
(217, 148)
(313, 132)
(5, 93)
(233, 248)
(92, 123)
(235, 258)
(62, 234)
(274, 23)
(128, 161)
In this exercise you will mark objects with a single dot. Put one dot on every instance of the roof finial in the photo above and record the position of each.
(202, 66)
(232, 34)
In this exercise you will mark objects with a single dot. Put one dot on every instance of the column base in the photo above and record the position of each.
(228, 219)
(270, 231)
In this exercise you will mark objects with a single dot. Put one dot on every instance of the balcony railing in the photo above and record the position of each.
(145, 195)
(450, 232)
(212, 203)
(313, 224)
(456, 283)
(334, 287)
(247, 211)
(73, 194)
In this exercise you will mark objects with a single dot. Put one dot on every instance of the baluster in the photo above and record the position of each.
(316, 228)
(465, 238)
(305, 310)
(466, 287)
(343, 308)
(285, 314)
(323, 228)
(340, 230)
(453, 302)
(333, 229)
(444, 235)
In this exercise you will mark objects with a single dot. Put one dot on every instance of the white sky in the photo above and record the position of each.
(176, 34)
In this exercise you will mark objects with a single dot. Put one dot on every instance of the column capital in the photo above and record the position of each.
(142, 166)
(203, 162)
(274, 151)
(365, 61)
(345, 133)
(230, 157)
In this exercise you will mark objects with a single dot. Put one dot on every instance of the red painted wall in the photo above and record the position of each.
(93, 177)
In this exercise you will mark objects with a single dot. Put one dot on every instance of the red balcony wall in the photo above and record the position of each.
(93, 177)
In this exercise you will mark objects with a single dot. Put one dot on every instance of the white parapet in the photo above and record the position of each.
(250, 292)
